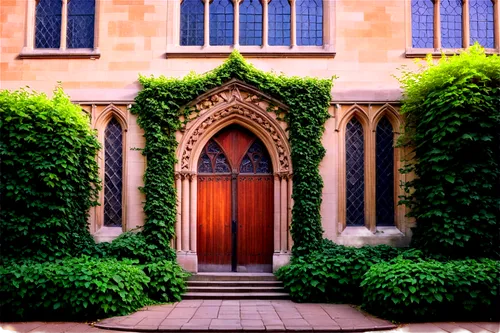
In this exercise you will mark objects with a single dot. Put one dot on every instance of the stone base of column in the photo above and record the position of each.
(188, 261)
(281, 259)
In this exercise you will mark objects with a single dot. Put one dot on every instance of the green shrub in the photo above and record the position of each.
(429, 290)
(168, 281)
(71, 289)
(332, 275)
(49, 177)
(452, 112)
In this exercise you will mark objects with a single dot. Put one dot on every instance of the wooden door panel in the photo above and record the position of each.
(255, 221)
(214, 222)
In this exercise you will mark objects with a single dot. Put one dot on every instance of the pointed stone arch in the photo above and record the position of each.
(392, 115)
(234, 103)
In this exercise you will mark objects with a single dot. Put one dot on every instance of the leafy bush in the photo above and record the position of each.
(49, 177)
(452, 112)
(427, 290)
(332, 275)
(168, 281)
(72, 288)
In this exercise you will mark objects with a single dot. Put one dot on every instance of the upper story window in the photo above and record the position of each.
(64, 24)
(60, 28)
(288, 23)
(454, 23)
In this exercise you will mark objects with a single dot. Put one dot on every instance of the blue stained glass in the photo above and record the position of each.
(482, 25)
(251, 22)
(221, 22)
(422, 23)
(48, 24)
(355, 174)
(279, 22)
(451, 23)
(80, 33)
(192, 22)
(309, 22)
(385, 173)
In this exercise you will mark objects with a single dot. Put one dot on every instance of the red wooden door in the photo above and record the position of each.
(235, 204)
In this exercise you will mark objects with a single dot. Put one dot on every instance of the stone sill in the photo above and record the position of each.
(251, 52)
(107, 234)
(58, 54)
(365, 232)
(422, 53)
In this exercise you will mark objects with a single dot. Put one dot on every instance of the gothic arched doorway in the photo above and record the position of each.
(235, 203)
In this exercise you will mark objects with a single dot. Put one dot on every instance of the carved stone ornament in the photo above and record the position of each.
(250, 114)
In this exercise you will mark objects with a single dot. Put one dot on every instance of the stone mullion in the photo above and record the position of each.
(30, 28)
(370, 179)
(283, 213)
(465, 24)
(265, 22)
(236, 25)
(437, 24)
(64, 24)
(496, 23)
(206, 23)
(293, 23)
(185, 177)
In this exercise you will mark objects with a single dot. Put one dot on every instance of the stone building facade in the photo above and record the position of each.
(97, 48)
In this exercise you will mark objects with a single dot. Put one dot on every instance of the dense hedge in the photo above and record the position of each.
(168, 281)
(430, 290)
(49, 176)
(73, 288)
(159, 107)
(452, 112)
(332, 275)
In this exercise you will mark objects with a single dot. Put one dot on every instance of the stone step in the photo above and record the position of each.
(223, 284)
(232, 277)
(235, 289)
(219, 295)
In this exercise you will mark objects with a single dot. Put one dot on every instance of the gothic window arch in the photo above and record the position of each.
(355, 173)
(384, 155)
(113, 174)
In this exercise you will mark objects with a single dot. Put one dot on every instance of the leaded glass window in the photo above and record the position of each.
(385, 173)
(256, 160)
(80, 32)
(355, 174)
(451, 23)
(279, 22)
(221, 22)
(113, 170)
(422, 23)
(251, 22)
(309, 22)
(48, 24)
(213, 159)
(482, 23)
(192, 21)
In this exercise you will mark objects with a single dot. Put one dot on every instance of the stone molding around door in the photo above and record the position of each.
(233, 103)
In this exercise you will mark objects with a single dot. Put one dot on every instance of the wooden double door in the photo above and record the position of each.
(235, 204)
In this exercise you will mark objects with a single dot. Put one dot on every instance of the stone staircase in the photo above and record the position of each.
(234, 286)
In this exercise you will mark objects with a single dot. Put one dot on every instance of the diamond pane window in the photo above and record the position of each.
(80, 32)
(482, 23)
(48, 24)
(451, 23)
(355, 174)
(279, 22)
(309, 22)
(256, 159)
(422, 23)
(213, 158)
(113, 165)
(192, 20)
(251, 22)
(385, 173)
(221, 22)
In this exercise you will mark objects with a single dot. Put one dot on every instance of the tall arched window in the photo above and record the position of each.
(48, 24)
(221, 22)
(279, 22)
(192, 21)
(385, 173)
(482, 22)
(251, 22)
(422, 23)
(355, 173)
(309, 22)
(113, 170)
(451, 23)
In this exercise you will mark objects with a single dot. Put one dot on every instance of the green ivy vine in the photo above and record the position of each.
(159, 107)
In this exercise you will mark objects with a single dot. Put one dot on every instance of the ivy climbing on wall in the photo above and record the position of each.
(160, 110)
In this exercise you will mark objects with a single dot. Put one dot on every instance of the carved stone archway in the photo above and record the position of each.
(233, 103)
